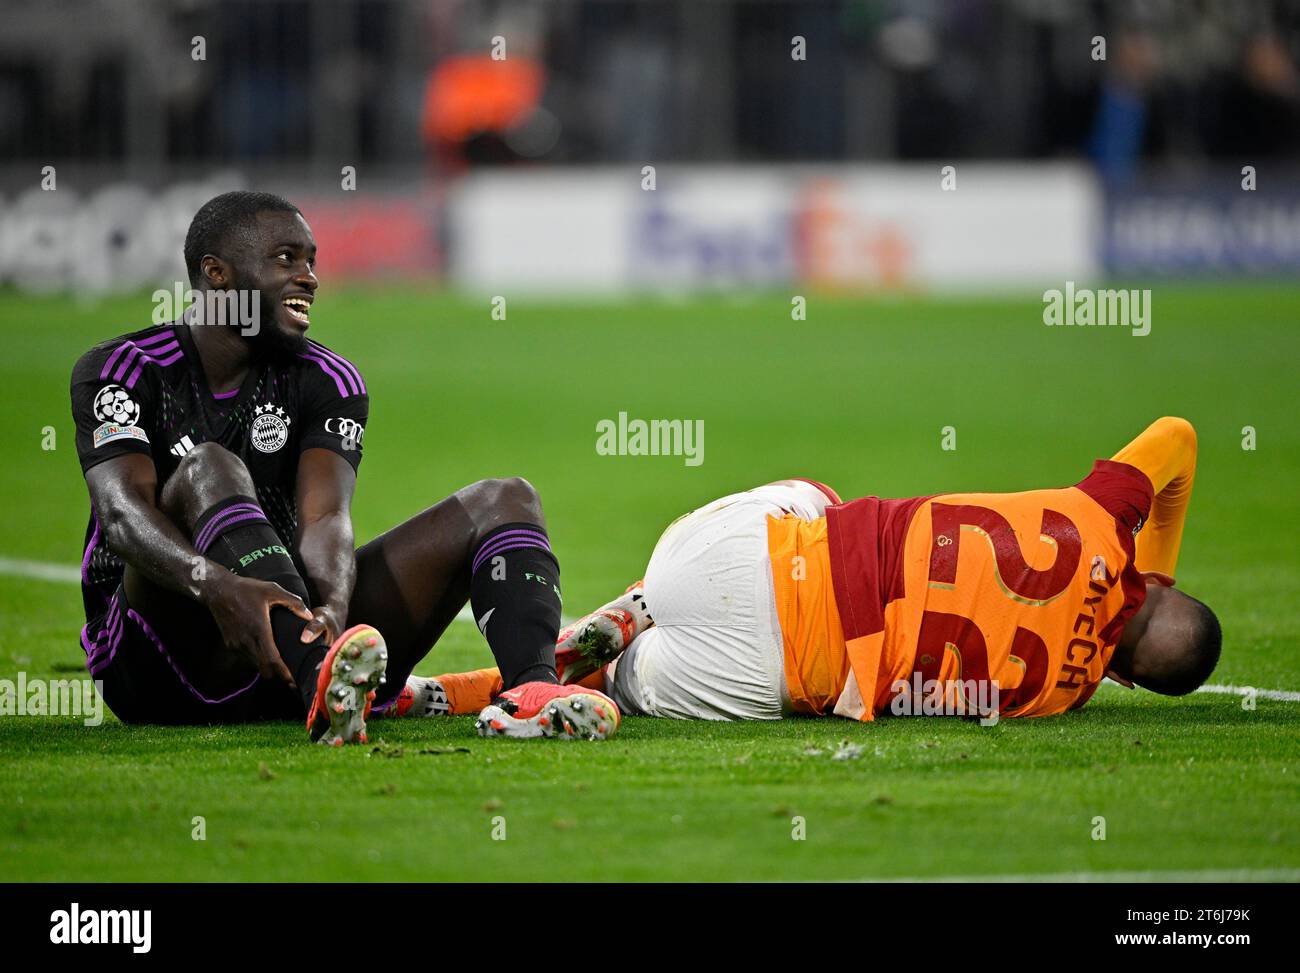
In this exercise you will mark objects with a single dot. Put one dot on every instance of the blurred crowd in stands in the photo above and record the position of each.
(450, 84)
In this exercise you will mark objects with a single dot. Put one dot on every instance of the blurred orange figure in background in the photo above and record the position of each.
(470, 96)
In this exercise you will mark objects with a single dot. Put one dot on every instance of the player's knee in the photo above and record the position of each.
(511, 496)
(211, 459)
(515, 491)
(208, 470)
(1179, 430)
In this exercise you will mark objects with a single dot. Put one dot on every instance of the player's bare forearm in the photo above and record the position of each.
(327, 551)
(325, 540)
(123, 492)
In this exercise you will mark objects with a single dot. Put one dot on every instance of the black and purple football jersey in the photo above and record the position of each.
(146, 392)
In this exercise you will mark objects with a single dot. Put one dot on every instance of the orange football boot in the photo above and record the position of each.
(544, 709)
(352, 670)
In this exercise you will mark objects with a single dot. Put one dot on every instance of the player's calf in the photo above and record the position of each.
(212, 497)
(582, 650)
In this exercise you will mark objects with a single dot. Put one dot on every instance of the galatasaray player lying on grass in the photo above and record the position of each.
(784, 600)
(219, 576)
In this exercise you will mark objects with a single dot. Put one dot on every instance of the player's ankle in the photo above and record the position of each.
(537, 673)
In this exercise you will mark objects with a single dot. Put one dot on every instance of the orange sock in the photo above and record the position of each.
(469, 692)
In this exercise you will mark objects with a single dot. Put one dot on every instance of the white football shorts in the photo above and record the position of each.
(715, 651)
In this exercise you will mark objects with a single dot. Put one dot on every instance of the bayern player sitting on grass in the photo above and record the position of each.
(784, 600)
(219, 575)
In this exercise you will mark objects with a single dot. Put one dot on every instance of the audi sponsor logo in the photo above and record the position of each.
(349, 430)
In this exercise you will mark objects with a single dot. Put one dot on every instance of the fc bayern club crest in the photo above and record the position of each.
(270, 428)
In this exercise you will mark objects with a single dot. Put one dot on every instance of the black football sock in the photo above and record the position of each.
(514, 591)
(236, 534)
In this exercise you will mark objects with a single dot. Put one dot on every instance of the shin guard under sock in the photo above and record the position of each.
(514, 591)
(236, 534)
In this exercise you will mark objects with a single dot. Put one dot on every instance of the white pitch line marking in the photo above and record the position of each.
(1281, 695)
(1278, 695)
(39, 570)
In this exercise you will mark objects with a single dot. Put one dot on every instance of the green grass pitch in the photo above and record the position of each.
(856, 395)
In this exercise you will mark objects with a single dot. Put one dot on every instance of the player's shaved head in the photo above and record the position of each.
(1172, 646)
(226, 223)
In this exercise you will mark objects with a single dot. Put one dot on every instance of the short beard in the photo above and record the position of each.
(274, 343)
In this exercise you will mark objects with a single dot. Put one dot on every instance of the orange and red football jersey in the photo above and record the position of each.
(1028, 592)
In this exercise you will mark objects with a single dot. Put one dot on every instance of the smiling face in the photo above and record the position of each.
(276, 257)
(281, 264)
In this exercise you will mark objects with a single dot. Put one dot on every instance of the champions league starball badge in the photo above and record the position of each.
(118, 415)
(114, 404)
(270, 428)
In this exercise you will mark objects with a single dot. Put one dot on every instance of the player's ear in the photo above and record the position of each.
(215, 271)
(1113, 676)
(1158, 577)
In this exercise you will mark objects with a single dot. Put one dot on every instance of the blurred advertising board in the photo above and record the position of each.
(123, 237)
(849, 228)
(1204, 229)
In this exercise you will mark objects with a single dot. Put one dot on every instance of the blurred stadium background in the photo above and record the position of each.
(526, 173)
